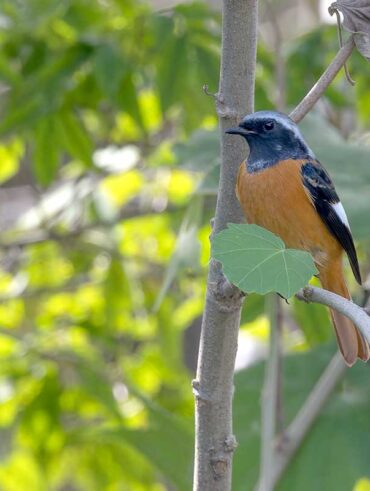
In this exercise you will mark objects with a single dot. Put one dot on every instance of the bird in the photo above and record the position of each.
(282, 187)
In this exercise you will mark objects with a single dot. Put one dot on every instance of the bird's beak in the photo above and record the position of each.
(239, 131)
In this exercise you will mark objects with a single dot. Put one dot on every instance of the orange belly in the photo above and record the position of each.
(275, 199)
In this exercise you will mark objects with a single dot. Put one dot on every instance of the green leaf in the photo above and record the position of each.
(167, 443)
(187, 250)
(256, 260)
(94, 381)
(127, 98)
(43, 91)
(46, 156)
(109, 69)
(90, 376)
(59, 68)
(200, 152)
(74, 137)
(22, 115)
(7, 73)
(210, 181)
(116, 293)
(172, 72)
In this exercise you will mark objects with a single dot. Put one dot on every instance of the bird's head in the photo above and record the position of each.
(272, 137)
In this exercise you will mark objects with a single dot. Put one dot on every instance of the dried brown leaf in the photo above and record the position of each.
(356, 19)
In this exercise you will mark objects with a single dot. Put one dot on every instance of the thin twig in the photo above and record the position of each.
(346, 307)
(40, 235)
(324, 81)
(74, 284)
(207, 92)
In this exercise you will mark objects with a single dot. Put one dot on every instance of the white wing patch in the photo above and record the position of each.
(339, 210)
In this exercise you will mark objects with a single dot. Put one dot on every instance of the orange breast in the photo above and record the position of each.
(275, 199)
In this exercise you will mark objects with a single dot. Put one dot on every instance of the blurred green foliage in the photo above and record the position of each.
(102, 281)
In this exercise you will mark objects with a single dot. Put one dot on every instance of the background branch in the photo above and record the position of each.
(270, 397)
(213, 387)
(280, 98)
(297, 430)
(323, 83)
(39, 235)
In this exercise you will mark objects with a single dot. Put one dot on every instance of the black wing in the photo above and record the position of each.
(323, 194)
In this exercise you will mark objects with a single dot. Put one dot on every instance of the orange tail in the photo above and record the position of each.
(350, 341)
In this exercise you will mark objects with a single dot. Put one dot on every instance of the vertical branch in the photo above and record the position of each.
(213, 387)
(280, 398)
(270, 398)
(280, 98)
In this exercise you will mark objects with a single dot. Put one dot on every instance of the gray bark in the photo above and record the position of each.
(213, 387)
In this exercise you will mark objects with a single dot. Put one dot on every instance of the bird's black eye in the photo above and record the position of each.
(269, 125)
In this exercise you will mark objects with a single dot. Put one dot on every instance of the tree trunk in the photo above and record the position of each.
(213, 387)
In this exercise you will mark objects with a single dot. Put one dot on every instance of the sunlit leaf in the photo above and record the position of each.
(119, 188)
(362, 485)
(95, 382)
(10, 155)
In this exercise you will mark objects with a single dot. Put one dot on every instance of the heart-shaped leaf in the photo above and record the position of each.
(255, 260)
